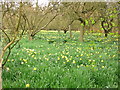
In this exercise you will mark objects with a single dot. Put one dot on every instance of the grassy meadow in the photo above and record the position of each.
(53, 60)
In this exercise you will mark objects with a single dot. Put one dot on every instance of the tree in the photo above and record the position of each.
(38, 18)
(13, 28)
(118, 9)
(108, 14)
(79, 11)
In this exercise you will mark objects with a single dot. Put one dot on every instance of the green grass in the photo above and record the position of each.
(45, 64)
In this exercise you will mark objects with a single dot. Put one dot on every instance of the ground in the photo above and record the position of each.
(54, 60)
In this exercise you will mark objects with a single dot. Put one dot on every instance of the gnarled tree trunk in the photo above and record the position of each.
(30, 37)
(106, 34)
(0, 73)
(65, 31)
(81, 34)
(70, 31)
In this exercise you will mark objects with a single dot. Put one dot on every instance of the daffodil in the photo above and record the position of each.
(62, 56)
(90, 60)
(103, 66)
(25, 60)
(93, 60)
(47, 59)
(34, 69)
(22, 62)
(81, 55)
(81, 65)
(73, 61)
(7, 69)
(100, 56)
(27, 85)
(58, 58)
(102, 61)
(113, 55)
(32, 55)
(67, 60)
(12, 60)
(35, 58)
(76, 55)
(78, 66)
(64, 62)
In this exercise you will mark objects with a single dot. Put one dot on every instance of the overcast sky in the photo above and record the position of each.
(46, 1)
(41, 2)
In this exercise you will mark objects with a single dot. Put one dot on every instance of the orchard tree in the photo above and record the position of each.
(13, 28)
(38, 18)
(80, 11)
(108, 15)
(118, 9)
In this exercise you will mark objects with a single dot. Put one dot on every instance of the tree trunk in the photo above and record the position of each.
(65, 31)
(30, 38)
(70, 31)
(81, 34)
(58, 31)
(119, 20)
(106, 34)
(0, 74)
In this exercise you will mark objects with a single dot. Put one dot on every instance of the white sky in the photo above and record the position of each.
(41, 2)
(46, 1)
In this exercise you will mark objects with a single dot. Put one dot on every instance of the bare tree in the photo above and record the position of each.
(79, 11)
(12, 30)
(38, 18)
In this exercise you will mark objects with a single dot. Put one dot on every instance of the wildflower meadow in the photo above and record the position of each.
(41, 64)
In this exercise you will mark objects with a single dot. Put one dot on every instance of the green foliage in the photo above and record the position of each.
(105, 24)
(101, 28)
(38, 64)
(102, 19)
(113, 24)
(82, 24)
(93, 21)
(113, 16)
(86, 22)
(115, 11)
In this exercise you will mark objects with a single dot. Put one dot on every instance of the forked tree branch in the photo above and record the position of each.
(12, 41)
